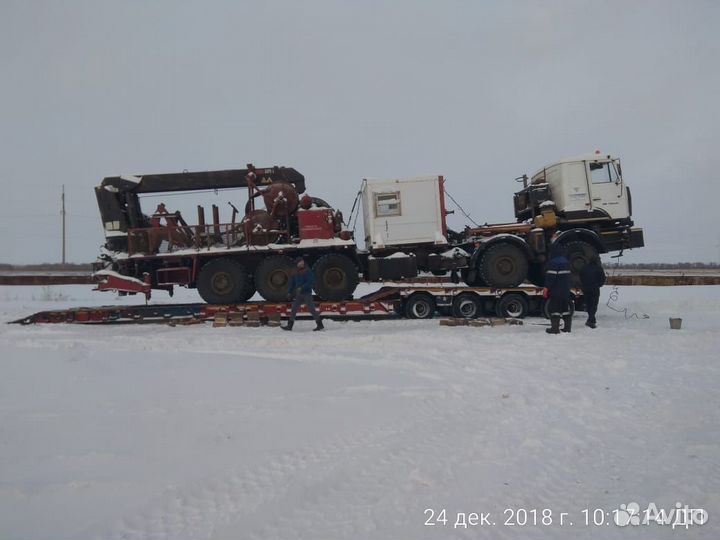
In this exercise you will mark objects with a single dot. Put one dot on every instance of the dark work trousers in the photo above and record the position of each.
(558, 307)
(307, 299)
(592, 297)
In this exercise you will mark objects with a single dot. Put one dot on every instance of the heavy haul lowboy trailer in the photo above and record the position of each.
(413, 302)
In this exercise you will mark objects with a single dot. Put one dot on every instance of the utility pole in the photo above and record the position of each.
(62, 212)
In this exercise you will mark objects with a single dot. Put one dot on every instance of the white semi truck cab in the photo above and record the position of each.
(580, 188)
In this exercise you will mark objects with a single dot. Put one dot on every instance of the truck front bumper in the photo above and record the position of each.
(637, 239)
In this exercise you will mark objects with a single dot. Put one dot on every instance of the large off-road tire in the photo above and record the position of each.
(272, 277)
(250, 289)
(536, 274)
(223, 281)
(420, 306)
(335, 277)
(503, 265)
(512, 305)
(579, 254)
(477, 282)
(467, 305)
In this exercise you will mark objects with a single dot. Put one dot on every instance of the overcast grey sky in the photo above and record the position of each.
(478, 91)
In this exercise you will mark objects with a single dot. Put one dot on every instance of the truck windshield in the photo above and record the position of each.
(603, 172)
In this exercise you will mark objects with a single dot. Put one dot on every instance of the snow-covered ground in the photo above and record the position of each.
(149, 431)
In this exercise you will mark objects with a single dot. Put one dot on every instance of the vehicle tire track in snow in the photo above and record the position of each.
(198, 509)
(330, 488)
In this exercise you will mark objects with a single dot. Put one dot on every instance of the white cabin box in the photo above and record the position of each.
(399, 212)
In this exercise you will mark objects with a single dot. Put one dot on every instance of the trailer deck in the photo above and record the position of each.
(415, 302)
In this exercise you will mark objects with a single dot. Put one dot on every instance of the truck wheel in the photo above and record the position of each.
(223, 281)
(477, 282)
(335, 277)
(272, 277)
(466, 306)
(512, 305)
(536, 274)
(503, 265)
(250, 289)
(420, 306)
(579, 254)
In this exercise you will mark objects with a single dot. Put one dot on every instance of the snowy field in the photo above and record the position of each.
(149, 431)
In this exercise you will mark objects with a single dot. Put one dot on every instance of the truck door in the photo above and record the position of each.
(607, 192)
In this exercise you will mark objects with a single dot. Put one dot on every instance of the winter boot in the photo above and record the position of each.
(288, 327)
(319, 326)
(554, 326)
(567, 323)
(591, 324)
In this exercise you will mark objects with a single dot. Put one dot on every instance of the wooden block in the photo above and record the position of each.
(236, 319)
(447, 322)
(188, 322)
(220, 320)
(252, 324)
(253, 316)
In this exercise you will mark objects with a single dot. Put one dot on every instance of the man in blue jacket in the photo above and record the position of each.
(558, 290)
(300, 287)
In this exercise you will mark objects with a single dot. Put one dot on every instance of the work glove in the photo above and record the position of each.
(546, 293)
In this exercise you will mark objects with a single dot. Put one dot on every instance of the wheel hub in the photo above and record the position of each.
(221, 283)
(514, 309)
(467, 308)
(505, 266)
(278, 279)
(334, 277)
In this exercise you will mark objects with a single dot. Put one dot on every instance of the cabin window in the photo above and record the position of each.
(387, 204)
(603, 173)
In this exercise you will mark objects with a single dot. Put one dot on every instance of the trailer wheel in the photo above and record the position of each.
(335, 277)
(466, 306)
(272, 277)
(513, 305)
(420, 306)
(503, 265)
(223, 281)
